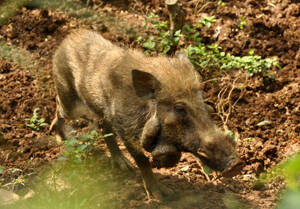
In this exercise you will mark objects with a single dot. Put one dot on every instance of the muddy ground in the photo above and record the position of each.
(272, 29)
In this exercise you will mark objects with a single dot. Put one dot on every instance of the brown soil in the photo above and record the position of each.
(271, 29)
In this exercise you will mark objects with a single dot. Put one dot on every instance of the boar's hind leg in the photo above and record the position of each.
(68, 106)
(152, 185)
(57, 124)
(118, 158)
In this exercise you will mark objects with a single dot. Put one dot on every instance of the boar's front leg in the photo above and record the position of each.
(118, 158)
(151, 184)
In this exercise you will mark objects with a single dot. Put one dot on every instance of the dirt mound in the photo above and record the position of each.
(21, 147)
(31, 28)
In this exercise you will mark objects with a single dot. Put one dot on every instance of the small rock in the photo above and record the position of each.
(248, 177)
(185, 168)
(264, 123)
(7, 197)
(29, 194)
(258, 145)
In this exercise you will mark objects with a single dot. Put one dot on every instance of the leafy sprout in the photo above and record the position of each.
(242, 23)
(78, 148)
(221, 3)
(35, 122)
(206, 21)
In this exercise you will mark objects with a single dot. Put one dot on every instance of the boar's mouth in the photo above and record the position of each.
(204, 158)
(234, 168)
(229, 168)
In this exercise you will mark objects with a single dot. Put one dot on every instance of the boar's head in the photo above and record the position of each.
(179, 119)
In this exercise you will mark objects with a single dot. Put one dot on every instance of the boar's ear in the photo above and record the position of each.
(145, 84)
(183, 57)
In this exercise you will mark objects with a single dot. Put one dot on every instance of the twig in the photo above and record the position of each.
(203, 171)
(176, 15)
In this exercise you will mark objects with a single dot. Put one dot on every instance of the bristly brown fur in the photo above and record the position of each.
(149, 102)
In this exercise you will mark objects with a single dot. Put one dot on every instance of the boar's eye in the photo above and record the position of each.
(179, 108)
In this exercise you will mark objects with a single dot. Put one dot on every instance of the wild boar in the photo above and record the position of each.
(149, 102)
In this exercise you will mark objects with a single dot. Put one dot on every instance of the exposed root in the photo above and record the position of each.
(225, 104)
(204, 4)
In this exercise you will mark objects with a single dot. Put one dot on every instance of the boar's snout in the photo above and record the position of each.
(229, 167)
(218, 151)
(165, 155)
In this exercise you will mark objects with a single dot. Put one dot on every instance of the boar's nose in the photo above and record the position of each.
(170, 119)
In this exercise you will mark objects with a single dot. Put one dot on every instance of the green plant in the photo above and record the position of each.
(19, 178)
(10, 8)
(242, 23)
(206, 21)
(290, 171)
(250, 139)
(230, 133)
(221, 3)
(78, 148)
(34, 122)
(208, 59)
(69, 185)
(150, 44)
(164, 41)
(2, 169)
(254, 64)
(192, 35)
(211, 58)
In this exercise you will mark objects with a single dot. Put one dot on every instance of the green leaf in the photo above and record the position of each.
(206, 169)
(278, 66)
(81, 147)
(230, 133)
(84, 137)
(72, 141)
(149, 44)
(107, 135)
(166, 49)
(1, 169)
(139, 39)
(178, 33)
(94, 133)
(44, 124)
(251, 52)
(32, 126)
(290, 200)
(221, 3)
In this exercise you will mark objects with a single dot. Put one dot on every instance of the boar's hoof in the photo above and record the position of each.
(122, 163)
